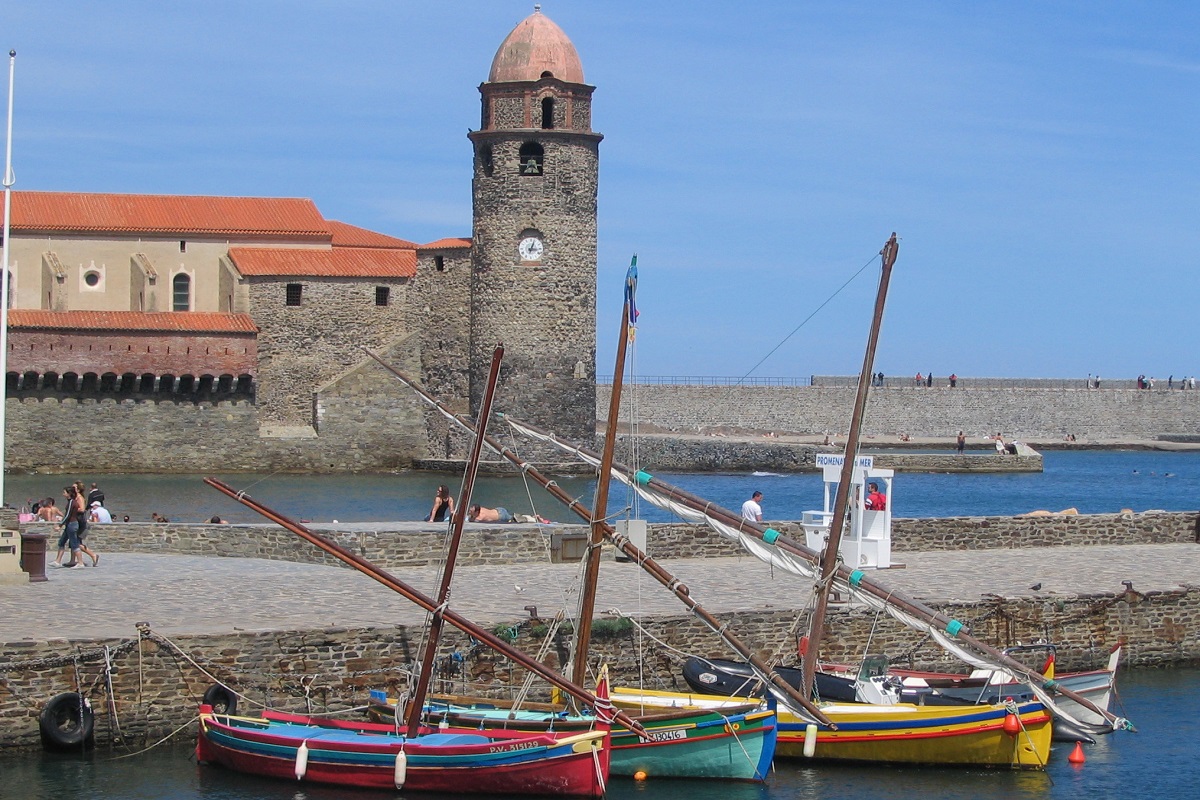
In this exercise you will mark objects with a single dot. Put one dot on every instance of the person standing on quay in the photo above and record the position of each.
(752, 508)
(961, 443)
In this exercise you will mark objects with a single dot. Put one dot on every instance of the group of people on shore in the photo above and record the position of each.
(81, 508)
(443, 510)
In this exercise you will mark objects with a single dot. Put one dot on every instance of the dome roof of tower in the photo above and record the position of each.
(536, 47)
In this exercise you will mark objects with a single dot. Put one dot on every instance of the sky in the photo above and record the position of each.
(1038, 160)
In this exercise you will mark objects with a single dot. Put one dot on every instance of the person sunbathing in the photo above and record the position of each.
(479, 513)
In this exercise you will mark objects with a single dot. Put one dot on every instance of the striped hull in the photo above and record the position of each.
(932, 735)
(971, 735)
(736, 743)
(365, 756)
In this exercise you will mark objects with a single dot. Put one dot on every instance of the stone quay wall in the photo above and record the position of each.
(411, 544)
(157, 683)
(1017, 412)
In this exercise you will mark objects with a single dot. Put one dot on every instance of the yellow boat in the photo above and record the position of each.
(1006, 736)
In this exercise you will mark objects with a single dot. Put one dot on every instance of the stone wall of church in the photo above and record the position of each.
(302, 347)
(439, 313)
(1018, 413)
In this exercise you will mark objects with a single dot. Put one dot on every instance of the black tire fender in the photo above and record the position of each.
(67, 722)
(222, 699)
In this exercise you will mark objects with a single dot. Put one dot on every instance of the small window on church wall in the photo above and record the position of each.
(439, 263)
(547, 112)
(485, 160)
(381, 295)
(532, 158)
(181, 293)
(294, 293)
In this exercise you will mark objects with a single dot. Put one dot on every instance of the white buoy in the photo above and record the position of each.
(302, 760)
(810, 740)
(401, 769)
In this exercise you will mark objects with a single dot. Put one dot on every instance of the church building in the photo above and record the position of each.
(186, 333)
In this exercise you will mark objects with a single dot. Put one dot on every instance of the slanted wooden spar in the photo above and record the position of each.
(652, 567)
(829, 560)
(395, 584)
(434, 634)
(591, 572)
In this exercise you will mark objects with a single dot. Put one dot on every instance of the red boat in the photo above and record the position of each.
(375, 756)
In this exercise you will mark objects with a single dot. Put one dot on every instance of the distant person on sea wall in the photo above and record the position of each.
(961, 443)
(920, 379)
(953, 380)
(443, 506)
(752, 508)
(1000, 448)
(929, 381)
(483, 514)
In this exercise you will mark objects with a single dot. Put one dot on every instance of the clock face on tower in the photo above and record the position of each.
(530, 249)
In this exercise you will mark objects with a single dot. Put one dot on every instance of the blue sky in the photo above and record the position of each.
(1038, 160)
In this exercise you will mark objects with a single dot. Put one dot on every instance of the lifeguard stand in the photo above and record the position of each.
(867, 538)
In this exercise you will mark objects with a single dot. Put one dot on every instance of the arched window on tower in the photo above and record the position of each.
(532, 158)
(547, 112)
(485, 160)
(181, 292)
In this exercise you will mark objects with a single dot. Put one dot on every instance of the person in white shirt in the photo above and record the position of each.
(751, 509)
(99, 513)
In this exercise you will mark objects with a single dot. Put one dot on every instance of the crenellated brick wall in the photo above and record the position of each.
(121, 352)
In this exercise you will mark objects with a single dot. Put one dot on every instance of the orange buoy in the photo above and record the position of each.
(1012, 724)
(639, 776)
(1077, 756)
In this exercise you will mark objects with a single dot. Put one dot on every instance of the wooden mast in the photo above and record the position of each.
(395, 584)
(591, 574)
(651, 567)
(417, 701)
(829, 559)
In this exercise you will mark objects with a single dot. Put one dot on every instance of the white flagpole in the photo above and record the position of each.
(9, 180)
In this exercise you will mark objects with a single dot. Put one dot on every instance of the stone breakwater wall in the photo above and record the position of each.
(1022, 413)
(408, 544)
(719, 454)
(157, 683)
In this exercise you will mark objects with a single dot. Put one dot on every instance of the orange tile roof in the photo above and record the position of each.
(446, 244)
(183, 321)
(345, 235)
(168, 214)
(344, 262)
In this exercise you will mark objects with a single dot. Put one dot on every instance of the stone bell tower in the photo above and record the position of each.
(534, 232)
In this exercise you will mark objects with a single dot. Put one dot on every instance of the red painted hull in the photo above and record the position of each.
(369, 761)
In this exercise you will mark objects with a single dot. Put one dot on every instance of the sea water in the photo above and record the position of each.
(1093, 482)
(1158, 761)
